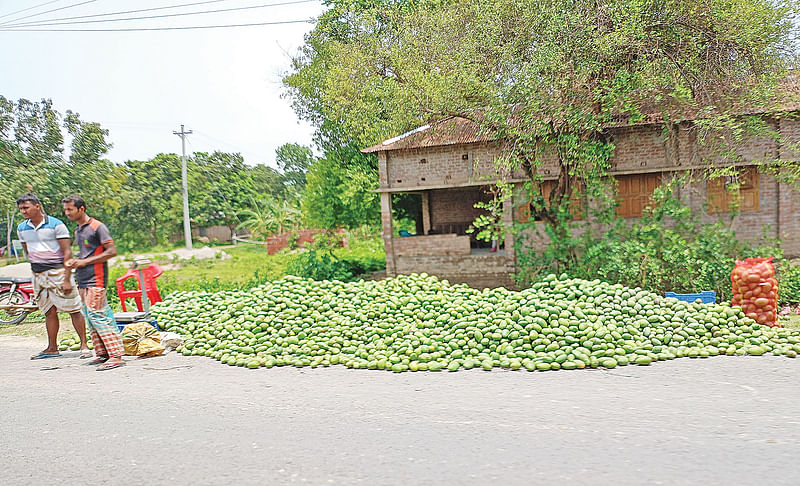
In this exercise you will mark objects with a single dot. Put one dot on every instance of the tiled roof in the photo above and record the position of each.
(456, 130)
(448, 131)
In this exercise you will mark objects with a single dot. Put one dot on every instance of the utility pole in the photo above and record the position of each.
(187, 228)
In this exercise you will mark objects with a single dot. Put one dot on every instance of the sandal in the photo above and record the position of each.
(45, 354)
(110, 366)
(97, 361)
(86, 353)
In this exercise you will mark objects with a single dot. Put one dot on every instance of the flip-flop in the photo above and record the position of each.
(97, 361)
(110, 366)
(86, 354)
(43, 355)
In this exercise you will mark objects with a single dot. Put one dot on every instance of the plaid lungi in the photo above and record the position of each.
(106, 339)
(48, 292)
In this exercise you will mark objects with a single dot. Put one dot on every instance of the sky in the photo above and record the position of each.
(223, 84)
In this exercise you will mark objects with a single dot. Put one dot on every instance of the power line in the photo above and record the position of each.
(29, 8)
(39, 24)
(121, 12)
(149, 29)
(235, 147)
(48, 11)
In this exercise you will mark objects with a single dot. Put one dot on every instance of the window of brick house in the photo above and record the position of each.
(634, 193)
(577, 205)
(722, 192)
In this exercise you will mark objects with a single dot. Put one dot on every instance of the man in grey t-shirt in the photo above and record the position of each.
(91, 273)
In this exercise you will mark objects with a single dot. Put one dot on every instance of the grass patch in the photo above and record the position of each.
(791, 321)
(251, 265)
(245, 260)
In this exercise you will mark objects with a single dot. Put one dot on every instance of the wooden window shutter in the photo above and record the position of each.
(577, 205)
(720, 199)
(634, 193)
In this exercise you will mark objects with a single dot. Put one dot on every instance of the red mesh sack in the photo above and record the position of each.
(755, 289)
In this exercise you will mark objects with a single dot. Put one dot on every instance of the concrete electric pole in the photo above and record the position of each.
(187, 228)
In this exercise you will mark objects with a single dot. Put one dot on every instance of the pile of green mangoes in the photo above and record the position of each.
(418, 322)
(72, 343)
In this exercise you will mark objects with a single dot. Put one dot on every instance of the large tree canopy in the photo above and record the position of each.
(546, 76)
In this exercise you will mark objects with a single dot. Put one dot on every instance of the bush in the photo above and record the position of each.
(320, 265)
(667, 249)
(323, 263)
(789, 283)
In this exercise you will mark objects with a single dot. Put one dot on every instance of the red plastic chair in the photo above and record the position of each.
(150, 273)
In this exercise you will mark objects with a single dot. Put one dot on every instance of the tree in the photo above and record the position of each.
(267, 180)
(89, 142)
(337, 193)
(30, 149)
(268, 217)
(151, 207)
(294, 160)
(220, 186)
(547, 78)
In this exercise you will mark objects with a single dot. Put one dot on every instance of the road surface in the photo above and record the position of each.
(190, 420)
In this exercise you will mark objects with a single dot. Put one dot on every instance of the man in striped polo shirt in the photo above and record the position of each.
(91, 271)
(45, 240)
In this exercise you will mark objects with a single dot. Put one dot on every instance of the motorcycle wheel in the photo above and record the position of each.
(12, 316)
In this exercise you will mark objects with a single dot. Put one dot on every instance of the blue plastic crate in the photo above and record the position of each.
(121, 325)
(706, 296)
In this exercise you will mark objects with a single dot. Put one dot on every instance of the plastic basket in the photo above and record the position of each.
(706, 296)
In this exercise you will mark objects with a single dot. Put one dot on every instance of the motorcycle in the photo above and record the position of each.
(17, 299)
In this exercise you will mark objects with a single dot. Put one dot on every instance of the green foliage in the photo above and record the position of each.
(293, 240)
(547, 78)
(668, 249)
(168, 284)
(365, 251)
(326, 259)
(338, 189)
(294, 160)
(489, 226)
(270, 217)
(139, 200)
(319, 265)
(789, 283)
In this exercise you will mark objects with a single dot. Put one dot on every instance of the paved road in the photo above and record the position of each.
(16, 270)
(179, 420)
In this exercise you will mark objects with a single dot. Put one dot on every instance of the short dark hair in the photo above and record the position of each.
(28, 197)
(76, 200)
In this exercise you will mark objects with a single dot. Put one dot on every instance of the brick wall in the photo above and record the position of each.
(456, 205)
(641, 149)
(437, 166)
(431, 245)
(479, 271)
(779, 207)
(213, 233)
(752, 149)
(279, 242)
(789, 198)
(749, 226)
(636, 148)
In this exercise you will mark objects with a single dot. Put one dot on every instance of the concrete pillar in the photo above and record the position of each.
(426, 212)
(387, 233)
(788, 220)
(508, 221)
(383, 169)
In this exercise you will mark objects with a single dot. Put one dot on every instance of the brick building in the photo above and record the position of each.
(450, 166)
